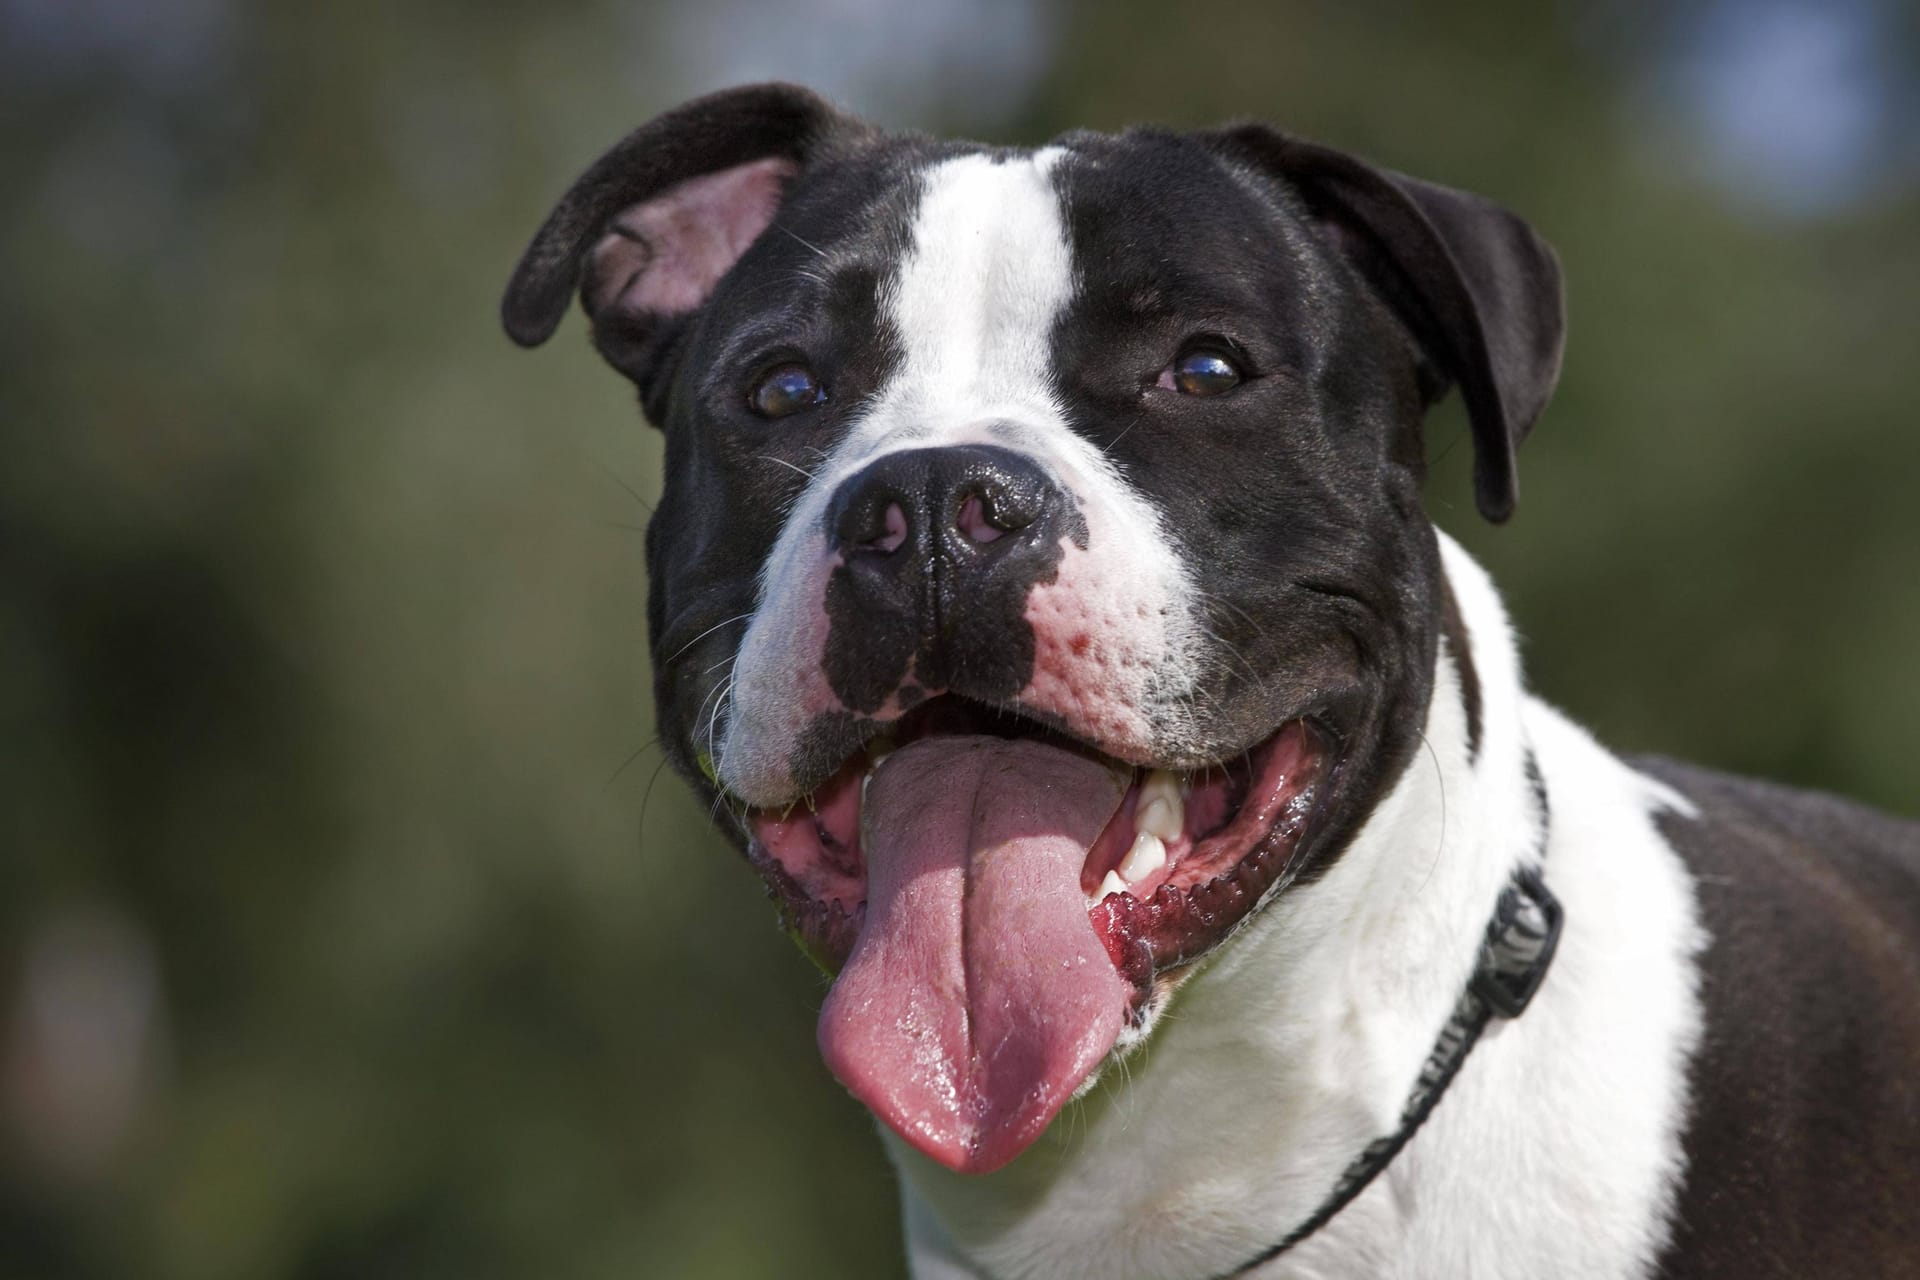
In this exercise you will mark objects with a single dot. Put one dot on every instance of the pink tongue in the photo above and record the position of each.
(978, 995)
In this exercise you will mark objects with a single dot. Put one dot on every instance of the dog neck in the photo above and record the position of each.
(1298, 1045)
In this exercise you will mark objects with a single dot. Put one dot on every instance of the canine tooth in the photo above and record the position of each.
(1160, 817)
(1161, 782)
(1147, 856)
(1112, 884)
(1160, 809)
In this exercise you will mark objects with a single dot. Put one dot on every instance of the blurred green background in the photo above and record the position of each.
(343, 930)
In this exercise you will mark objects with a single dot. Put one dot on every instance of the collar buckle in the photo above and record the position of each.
(1521, 939)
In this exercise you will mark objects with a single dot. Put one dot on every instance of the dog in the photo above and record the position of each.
(1041, 585)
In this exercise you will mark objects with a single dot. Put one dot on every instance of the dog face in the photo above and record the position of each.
(1040, 581)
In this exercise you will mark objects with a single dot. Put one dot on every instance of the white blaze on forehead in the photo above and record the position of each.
(987, 274)
(976, 299)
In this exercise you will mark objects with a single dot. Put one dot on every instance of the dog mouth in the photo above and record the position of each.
(999, 902)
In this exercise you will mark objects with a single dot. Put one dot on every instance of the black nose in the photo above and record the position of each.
(941, 548)
(970, 506)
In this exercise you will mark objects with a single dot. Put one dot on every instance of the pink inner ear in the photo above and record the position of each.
(664, 255)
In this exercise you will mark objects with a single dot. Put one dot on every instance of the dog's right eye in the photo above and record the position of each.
(785, 389)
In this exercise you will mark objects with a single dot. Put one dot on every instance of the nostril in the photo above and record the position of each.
(893, 531)
(991, 511)
(940, 502)
(973, 522)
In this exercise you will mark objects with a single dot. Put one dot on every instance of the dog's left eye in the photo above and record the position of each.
(1204, 371)
(785, 389)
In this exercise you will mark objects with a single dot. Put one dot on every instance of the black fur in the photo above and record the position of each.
(1475, 284)
(1460, 653)
(1803, 1137)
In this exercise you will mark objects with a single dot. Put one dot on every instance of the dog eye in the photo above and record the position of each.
(1204, 371)
(785, 389)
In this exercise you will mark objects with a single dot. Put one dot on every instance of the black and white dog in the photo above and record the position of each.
(1041, 582)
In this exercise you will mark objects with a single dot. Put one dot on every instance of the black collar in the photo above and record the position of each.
(1514, 955)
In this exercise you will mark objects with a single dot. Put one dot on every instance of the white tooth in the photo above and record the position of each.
(1161, 817)
(1147, 856)
(878, 749)
(1161, 782)
(1160, 809)
(1112, 884)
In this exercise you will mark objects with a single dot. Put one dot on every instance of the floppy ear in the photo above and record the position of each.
(1477, 287)
(648, 231)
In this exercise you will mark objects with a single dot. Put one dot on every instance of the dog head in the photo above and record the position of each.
(1040, 581)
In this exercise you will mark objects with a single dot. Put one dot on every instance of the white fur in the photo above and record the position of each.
(974, 303)
(1555, 1153)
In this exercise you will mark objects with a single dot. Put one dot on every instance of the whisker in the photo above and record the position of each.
(631, 491)
(722, 800)
(803, 240)
(1222, 600)
(1238, 657)
(718, 686)
(1108, 446)
(767, 457)
(704, 634)
(713, 719)
(646, 798)
(615, 775)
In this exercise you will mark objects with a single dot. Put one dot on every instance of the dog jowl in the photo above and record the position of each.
(1040, 582)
